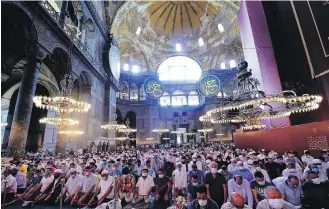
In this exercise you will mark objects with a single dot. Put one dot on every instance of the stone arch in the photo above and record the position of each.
(132, 118)
(90, 147)
(133, 92)
(59, 63)
(18, 28)
(85, 79)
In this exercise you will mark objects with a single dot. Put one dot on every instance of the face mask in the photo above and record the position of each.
(195, 184)
(319, 166)
(161, 175)
(292, 170)
(194, 160)
(316, 181)
(261, 182)
(213, 170)
(47, 173)
(35, 176)
(202, 203)
(276, 203)
(240, 168)
(315, 170)
(104, 178)
(258, 168)
(144, 174)
(124, 175)
(87, 173)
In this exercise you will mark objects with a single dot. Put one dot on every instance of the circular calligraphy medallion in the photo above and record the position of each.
(209, 86)
(153, 88)
(114, 58)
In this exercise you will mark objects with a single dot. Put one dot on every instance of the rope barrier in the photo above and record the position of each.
(21, 199)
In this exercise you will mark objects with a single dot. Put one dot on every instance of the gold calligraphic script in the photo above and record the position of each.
(317, 142)
(209, 87)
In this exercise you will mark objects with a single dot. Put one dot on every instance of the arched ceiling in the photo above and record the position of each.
(165, 23)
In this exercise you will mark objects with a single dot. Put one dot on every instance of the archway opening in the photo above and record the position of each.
(179, 69)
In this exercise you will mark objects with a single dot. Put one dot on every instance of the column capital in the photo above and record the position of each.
(38, 52)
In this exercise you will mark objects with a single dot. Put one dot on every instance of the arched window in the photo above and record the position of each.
(179, 98)
(193, 98)
(179, 68)
(133, 92)
(165, 99)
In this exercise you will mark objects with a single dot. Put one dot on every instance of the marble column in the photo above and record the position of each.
(23, 109)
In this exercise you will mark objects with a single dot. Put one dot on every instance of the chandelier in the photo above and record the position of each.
(63, 105)
(127, 130)
(205, 130)
(113, 126)
(160, 130)
(249, 105)
(70, 132)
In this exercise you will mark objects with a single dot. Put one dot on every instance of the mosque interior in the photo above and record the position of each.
(98, 74)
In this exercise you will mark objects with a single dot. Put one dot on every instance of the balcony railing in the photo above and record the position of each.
(69, 31)
(141, 102)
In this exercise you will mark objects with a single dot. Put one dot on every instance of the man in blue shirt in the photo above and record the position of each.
(196, 172)
(191, 188)
(291, 190)
(202, 200)
(115, 171)
(244, 172)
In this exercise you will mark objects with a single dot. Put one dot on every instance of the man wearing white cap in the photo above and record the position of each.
(72, 183)
(180, 178)
(56, 187)
(104, 191)
(307, 158)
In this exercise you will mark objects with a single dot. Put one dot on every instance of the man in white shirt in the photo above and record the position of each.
(180, 179)
(104, 190)
(231, 167)
(144, 187)
(291, 170)
(87, 187)
(9, 184)
(307, 158)
(72, 183)
(195, 162)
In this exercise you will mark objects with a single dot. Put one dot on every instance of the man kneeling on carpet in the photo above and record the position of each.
(144, 187)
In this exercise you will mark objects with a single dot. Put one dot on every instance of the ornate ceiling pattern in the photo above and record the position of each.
(165, 23)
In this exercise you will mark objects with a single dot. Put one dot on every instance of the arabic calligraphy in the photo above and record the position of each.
(317, 142)
(153, 88)
(209, 86)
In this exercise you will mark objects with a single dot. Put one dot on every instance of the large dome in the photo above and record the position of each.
(163, 24)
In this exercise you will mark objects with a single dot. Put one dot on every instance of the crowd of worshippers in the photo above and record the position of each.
(193, 176)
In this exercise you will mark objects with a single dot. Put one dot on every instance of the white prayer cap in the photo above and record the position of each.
(239, 162)
(263, 150)
(104, 172)
(208, 161)
(250, 161)
(305, 151)
(72, 170)
(317, 161)
(58, 171)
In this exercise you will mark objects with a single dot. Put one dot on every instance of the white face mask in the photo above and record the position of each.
(195, 184)
(161, 175)
(144, 174)
(202, 203)
(316, 181)
(276, 203)
(213, 170)
(240, 167)
(261, 182)
(124, 175)
(258, 168)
